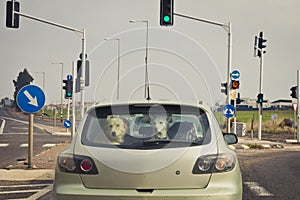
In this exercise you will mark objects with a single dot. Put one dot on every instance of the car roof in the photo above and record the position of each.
(200, 104)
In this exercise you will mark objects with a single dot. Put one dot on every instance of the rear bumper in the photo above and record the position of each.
(69, 186)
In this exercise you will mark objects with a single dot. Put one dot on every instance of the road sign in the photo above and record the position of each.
(235, 75)
(228, 111)
(67, 123)
(295, 107)
(30, 99)
(69, 77)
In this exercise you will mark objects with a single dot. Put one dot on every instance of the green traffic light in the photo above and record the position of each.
(166, 18)
(69, 94)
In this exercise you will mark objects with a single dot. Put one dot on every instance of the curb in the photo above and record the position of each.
(26, 174)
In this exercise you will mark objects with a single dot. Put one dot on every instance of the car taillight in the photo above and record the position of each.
(76, 164)
(214, 164)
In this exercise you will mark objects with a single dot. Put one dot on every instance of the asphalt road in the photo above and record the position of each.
(270, 174)
(14, 139)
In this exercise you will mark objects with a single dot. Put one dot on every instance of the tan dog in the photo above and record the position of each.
(159, 126)
(115, 129)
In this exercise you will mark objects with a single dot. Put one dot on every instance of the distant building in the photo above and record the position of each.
(282, 103)
(247, 103)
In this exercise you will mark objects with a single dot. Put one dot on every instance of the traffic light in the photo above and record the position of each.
(235, 84)
(261, 41)
(166, 12)
(294, 92)
(68, 87)
(12, 19)
(224, 90)
(238, 99)
(260, 98)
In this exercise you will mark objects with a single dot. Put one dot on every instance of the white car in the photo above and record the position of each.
(150, 150)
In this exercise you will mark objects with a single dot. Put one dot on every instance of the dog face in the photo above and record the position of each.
(160, 125)
(115, 129)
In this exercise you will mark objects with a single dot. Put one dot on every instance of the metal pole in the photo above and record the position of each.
(146, 64)
(147, 87)
(82, 78)
(61, 92)
(227, 28)
(73, 101)
(30, 141)
(118, 70)
(229, 35)
(118, 84)
(260, 106)
(298, 102)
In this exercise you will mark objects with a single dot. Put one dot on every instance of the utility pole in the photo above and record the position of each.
(227, 28)
(259, 51)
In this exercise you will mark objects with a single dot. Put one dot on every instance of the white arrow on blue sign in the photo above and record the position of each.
(235, 75)
(67, 123)
(31, 99)
(228, 111)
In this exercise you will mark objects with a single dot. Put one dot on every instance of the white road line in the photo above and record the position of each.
(48, 145)
(258, 190)
(41, 193)
(4, 145)
(30, 185)
(24, 145)
(19, 191)
(2, 126)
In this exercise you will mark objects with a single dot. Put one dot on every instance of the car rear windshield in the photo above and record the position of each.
(146, 127)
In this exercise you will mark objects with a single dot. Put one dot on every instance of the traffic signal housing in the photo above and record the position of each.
(12, 19)
(261, 41)
(294, 92)
(260, 98)
(166, 12)
(235, 84)
(224, 90)
(68, 87)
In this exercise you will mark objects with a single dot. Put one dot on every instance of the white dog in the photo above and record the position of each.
(115, 129)
(160, 127)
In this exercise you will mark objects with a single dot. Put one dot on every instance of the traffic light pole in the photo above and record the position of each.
(298, 110)
(227, 28)
(260, 105)
(83, 32)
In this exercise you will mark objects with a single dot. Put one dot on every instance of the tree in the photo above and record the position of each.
(23, 79)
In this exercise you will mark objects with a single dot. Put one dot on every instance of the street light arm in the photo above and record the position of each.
(225, 26)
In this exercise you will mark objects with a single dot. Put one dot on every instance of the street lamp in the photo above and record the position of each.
(61, 88)
(147, 88)
(43, 73)
(118, 75)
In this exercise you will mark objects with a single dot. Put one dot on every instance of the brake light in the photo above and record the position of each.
(86, 165)
(76, 164)
(214, 164)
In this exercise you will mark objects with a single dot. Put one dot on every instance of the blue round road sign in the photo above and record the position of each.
(67, 123)
(235, 75)
(69, 77)
(228, 111)
(31, 99)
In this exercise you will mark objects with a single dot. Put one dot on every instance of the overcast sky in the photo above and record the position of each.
(187, 60)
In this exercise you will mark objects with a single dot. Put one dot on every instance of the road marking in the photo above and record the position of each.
(24, 145)
(258, 190)
(49, 145)
(41, 193)
(2, 126)
(4, 145)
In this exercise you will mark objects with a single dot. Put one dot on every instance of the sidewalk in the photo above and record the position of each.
(248, 143)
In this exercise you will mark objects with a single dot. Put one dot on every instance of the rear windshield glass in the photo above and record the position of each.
(146, 127)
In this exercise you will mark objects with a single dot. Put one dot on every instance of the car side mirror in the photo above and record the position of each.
(230, 138)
